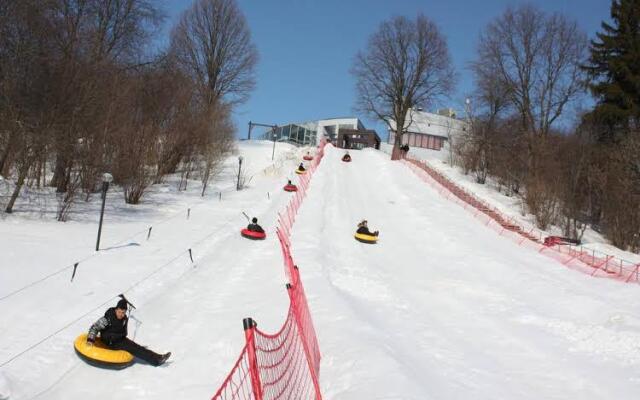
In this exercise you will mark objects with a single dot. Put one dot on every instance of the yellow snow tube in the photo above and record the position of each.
(300, 172)
(361, 237)
(100, 355)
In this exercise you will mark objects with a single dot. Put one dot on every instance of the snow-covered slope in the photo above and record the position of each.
(512, 206)
(440, 308)
(194, 310)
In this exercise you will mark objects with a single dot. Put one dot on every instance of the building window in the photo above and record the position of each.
(330, 130)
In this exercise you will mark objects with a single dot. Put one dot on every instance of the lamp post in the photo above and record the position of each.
(467, 107)
(239, 169)
(106, 180)
(273, 152)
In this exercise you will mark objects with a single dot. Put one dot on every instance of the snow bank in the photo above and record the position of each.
(509, 205)
(5, 391)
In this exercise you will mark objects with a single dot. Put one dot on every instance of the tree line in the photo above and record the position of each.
(86, 88)
(573, 166)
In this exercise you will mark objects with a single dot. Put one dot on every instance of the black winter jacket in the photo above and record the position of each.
(255, 228)
(111, 329)
(364, 230)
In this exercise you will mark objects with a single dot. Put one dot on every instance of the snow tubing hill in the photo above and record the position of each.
(100, 355)
(253, 235)
(290, 188)
(361, 237)
(300, 172)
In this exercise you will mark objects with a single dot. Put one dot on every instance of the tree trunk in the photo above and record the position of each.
(396, 153)
(4, 165)
(59, 179)
(16, 191)
(172, 163)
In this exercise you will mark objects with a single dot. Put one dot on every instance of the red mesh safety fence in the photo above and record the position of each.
(284, 365)
(237, 385)
(299, 301)
(590, 262)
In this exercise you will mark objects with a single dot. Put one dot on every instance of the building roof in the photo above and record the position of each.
(431, 124)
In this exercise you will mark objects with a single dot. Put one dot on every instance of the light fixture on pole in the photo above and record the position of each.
(239, 169)
(107, 178)
(273, 152)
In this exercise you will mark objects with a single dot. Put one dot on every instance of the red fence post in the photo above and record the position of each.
(596, 267)
(249, 332)
(636, 272)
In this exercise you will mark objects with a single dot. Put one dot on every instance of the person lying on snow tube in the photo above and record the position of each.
(364, 235)
(253, 230)
(290, 187)
(308, 157)
(346, 157)
(113, 333)
(301, 169)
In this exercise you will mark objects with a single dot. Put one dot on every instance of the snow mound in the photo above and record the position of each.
(5, 392)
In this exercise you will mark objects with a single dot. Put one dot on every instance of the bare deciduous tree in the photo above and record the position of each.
(213, 44)
(80, 88)
(406, 64)
(537, 57)
(91, 37)
(217, 143)
(485, 109)
(24, 86)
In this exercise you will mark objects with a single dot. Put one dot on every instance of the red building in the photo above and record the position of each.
(430, 131)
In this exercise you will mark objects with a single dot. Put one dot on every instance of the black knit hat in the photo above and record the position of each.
(254, 220)
(122, 304)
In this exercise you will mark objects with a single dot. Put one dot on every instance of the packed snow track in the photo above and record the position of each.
(442, 307)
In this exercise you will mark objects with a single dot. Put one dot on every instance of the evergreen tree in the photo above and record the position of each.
(614, 68)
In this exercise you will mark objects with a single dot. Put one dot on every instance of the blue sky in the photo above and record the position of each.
(307, 46)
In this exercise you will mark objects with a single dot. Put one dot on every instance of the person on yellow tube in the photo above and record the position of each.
(113, 333)
(363, 229)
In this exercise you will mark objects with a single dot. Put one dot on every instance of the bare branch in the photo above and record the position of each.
(213, 44)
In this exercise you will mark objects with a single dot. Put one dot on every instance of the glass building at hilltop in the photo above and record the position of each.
(300, 135)
(310, 133)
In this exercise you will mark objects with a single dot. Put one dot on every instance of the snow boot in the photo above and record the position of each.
(163, 358)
